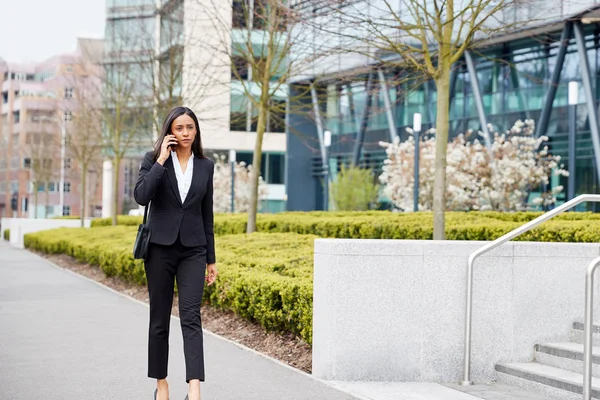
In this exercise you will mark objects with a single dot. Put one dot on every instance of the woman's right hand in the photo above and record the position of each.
(165, 151)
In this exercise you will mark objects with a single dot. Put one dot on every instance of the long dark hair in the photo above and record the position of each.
(166, 130)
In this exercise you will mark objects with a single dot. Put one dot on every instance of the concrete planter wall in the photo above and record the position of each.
(19, 227)
(393, 310)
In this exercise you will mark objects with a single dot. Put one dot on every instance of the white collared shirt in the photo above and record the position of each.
(184, 180)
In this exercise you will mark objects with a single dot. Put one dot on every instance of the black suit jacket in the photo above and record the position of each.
(168, 216)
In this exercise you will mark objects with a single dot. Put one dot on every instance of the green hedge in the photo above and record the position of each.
(265, 278)
(569, 227)
(6, 235)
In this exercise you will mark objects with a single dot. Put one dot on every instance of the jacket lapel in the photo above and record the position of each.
(195, 177)
(172, 178)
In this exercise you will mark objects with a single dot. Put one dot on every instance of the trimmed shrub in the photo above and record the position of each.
(388, 225)
(6, 235)
(265, 278)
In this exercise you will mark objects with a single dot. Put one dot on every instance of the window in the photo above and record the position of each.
(30, 77)
(16, 116)
(240, 66)
(68, 93)
(27, 162)
(2, 165)
(14, 163)
(272, 166)
(69, 68)
(2, 187)
(68, 116)
(4, 97)
(67, 163)
(66, 210)
(239, 14)
(41, 187)
(67, 187)
(14, 186)
(52, 187)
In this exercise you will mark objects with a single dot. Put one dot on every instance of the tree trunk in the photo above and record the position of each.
(35, 199)
(83, 193)
(256, 160)
(47, 199)
(441, 146)
(116, 165)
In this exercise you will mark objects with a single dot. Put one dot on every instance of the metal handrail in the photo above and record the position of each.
(588, 327)
(492, 245)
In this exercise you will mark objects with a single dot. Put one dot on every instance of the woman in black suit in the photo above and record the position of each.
(176, 179)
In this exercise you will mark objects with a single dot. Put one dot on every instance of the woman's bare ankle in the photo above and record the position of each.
(162, 383)
(194, 389)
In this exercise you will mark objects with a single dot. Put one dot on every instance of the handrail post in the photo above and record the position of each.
(492, 245)
(588, 328)
(467, 373)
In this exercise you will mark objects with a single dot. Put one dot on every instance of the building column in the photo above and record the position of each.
(360, 135)
(590, 96)
(479, 101)
(551, 94)
(107, 188)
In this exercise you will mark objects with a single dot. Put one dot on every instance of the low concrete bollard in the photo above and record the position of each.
(19, 227)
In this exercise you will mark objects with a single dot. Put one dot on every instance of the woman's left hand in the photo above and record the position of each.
(211, 273)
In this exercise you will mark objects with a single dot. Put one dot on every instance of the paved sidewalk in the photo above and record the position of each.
(65, 337)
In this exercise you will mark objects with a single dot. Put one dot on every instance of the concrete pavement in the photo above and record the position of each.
(65, 337)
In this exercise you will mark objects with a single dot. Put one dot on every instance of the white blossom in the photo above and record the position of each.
(222, 186)
(521, 165)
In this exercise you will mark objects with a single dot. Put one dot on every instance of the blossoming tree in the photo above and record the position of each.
(477, 178)
(243, 187)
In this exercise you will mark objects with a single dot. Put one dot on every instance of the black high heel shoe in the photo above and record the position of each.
(186, 397)
(155, 393)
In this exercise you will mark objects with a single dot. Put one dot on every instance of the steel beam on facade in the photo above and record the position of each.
(352, 109)
(551, 94)
(478, 100)
(360, 134)
(319, 122)
(589, 92)
(388, 106)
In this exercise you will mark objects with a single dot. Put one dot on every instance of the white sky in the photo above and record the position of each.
(34, 30)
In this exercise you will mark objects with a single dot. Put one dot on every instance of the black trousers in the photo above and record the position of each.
(163, 264)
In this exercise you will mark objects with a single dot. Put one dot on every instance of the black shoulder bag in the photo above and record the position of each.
(140, 248)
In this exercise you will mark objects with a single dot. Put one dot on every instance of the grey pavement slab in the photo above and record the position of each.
(65, 337)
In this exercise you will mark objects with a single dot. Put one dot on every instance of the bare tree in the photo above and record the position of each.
(41, 149)
(256, 43)
(427, 39)
(84, 133)
(126, 95)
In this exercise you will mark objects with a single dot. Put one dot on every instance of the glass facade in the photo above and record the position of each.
(513, 79)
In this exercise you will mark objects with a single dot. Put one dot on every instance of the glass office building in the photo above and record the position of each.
(515, 76)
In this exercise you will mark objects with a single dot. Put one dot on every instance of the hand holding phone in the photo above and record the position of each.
(169, 143)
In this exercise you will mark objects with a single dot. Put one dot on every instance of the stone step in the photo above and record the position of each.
(568, 356)
(577, 333)
(554, 382)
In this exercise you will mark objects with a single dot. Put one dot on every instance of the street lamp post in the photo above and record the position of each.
(327, 143)
(232, 156)
(416, 131)
(573, 100)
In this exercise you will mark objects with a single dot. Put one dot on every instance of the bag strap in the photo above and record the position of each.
(146, 213)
